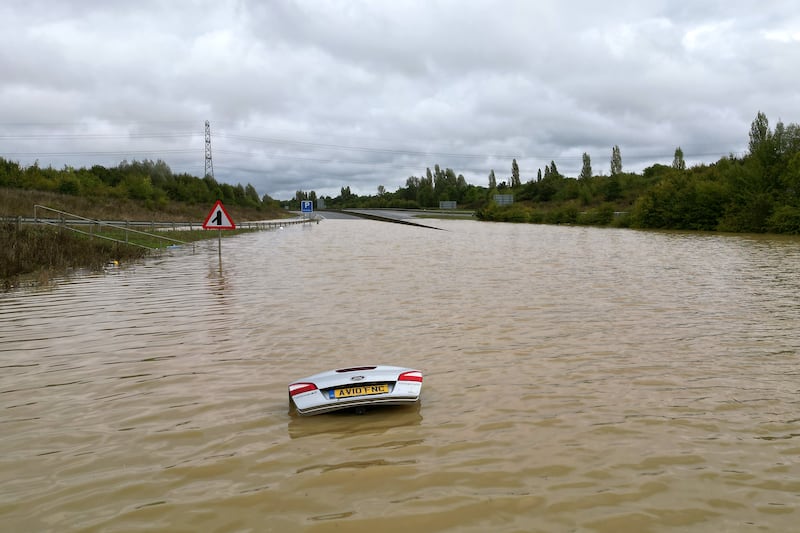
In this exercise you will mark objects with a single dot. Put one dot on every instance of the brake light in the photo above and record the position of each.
(299, 388)
(356, 369)
(413, 375)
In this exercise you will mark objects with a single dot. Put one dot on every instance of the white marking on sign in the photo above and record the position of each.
(218, 218)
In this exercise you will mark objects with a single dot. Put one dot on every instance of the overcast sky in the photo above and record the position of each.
(317, 95)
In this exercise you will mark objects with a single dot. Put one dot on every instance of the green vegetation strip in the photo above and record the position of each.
(40, 251)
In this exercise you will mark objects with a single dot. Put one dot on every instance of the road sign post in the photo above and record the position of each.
(219, 219)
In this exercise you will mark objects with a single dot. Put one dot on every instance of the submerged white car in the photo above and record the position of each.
(357, 387)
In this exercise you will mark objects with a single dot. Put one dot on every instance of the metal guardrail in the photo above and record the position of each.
(176, 226)
(77, 220)
(128, 226)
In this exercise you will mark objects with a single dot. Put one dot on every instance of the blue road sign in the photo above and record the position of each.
(306, 206)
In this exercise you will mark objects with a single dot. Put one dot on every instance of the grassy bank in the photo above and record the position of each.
(20, 202)
(36, 253)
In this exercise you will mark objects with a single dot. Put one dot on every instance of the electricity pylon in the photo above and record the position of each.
(209, 162)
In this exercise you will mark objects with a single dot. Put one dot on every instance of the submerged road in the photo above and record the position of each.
(397, 217)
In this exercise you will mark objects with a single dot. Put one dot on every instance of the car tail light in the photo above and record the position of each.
(413, 375)
(299, 388)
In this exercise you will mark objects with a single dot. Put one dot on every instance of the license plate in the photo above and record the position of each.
(359, 390)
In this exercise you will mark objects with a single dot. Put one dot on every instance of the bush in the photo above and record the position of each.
(516, 213)
(600, 216)
(565, 214)
(785, 219)
(69, 185)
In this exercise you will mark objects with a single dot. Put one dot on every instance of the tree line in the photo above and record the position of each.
(418, 193)
(151, 182)
(757, 192)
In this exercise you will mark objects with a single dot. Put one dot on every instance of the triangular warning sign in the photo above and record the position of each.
(218, 218)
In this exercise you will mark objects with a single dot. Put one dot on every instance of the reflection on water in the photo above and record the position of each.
(576, 379)
(342, 423)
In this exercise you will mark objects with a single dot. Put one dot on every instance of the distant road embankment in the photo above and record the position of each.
(397, 216)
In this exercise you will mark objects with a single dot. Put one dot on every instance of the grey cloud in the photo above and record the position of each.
(315, 96)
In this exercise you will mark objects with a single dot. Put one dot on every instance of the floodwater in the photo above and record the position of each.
(576, 379)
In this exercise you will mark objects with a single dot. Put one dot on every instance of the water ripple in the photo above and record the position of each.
(575, 379)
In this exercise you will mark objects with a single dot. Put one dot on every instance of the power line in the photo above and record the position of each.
(397, 163)
(99, 153)
(365, 148)
(79, 136)
(299, 143)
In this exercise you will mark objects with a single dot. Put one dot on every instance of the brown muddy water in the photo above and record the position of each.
(576, 379)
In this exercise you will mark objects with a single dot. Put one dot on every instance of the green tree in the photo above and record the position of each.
(677, 161)
(616, 161)
(423, 188)
(586, 169)
(492, 180)
(137, 186)
(759, 132)
(10, 173)
(69, 185)
(252, 195)
(515, 180)
(554, 170)
(613, 190)
(411, 189)
(425, 195)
